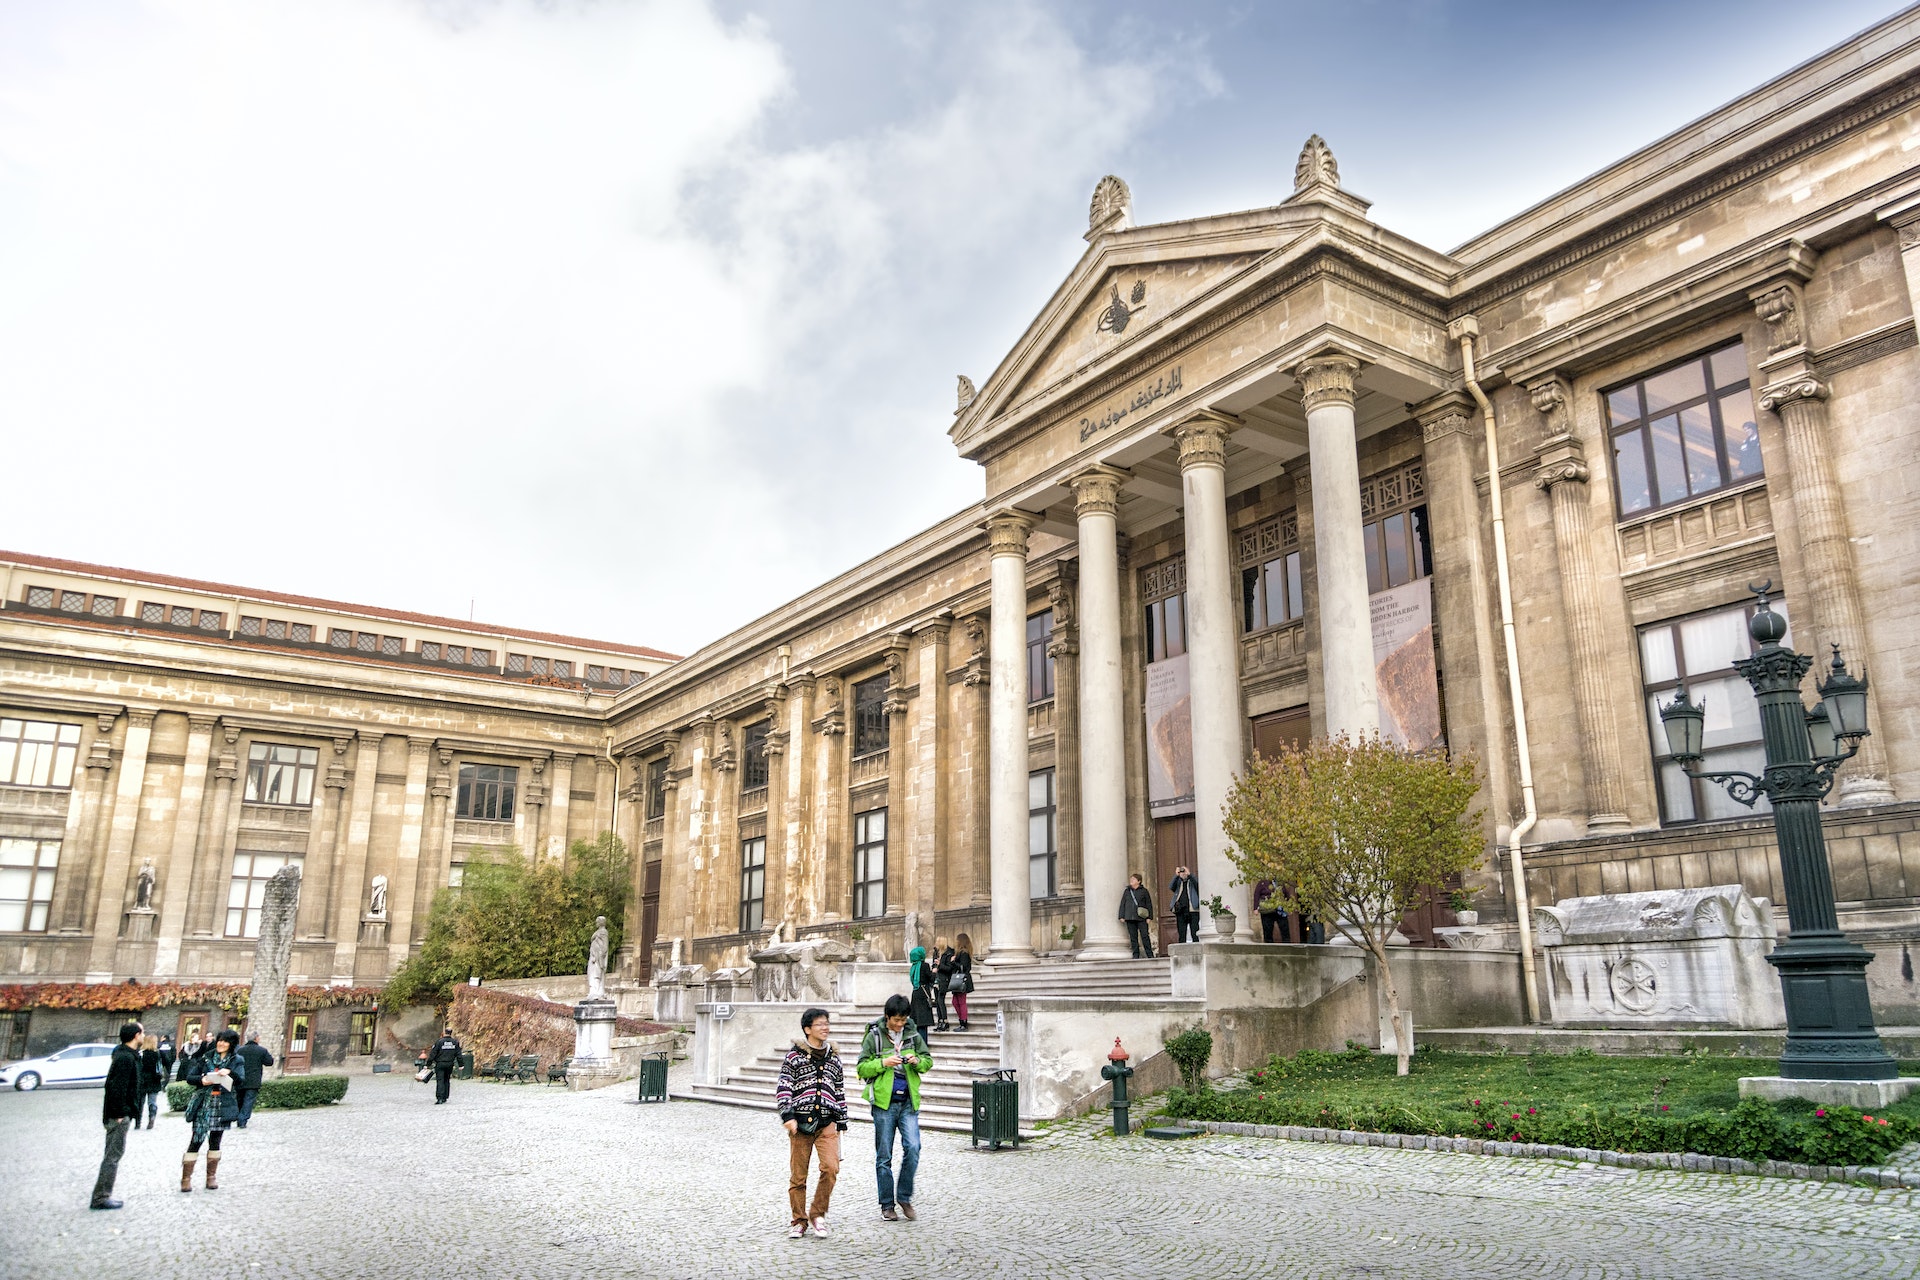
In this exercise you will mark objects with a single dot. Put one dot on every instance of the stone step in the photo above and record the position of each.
(938, 1117)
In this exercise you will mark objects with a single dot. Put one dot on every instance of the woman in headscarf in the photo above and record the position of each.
(920, 974)
(214, 1105)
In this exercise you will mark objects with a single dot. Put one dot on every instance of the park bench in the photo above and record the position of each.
(527, 1070)
(502, 1068)
(557, 1073)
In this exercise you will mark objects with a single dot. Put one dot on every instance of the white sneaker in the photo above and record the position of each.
(797, 1230)
(820, 1228)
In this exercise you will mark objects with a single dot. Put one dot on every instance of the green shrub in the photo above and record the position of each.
(285, 1094)
(1190, 1051)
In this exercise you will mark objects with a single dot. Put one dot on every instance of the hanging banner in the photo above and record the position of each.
(1403, 662)
(1169, 739)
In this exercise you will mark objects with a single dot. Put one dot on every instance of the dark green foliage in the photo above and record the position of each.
(515, 918)
(1190, 1051)
(284, 1094)
(1615, 1104)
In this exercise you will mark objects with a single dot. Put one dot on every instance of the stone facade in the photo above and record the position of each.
(1196, 401)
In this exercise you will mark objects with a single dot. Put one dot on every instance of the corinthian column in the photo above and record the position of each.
(1562, 474)
(1800, 401)
(1103, 773)
(1007, 736)
(1351, 697)
(1213, 660)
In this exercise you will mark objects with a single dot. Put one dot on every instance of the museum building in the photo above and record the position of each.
(1248, 479)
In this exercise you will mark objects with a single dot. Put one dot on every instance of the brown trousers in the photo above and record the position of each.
(826, 1144)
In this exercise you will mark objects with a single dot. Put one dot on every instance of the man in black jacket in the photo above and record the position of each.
(257, 1059)
(1136, 909)
(118, 1112)
(1185, 891)
(443, 1057)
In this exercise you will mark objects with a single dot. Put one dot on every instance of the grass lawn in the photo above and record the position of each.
(1687, 1103)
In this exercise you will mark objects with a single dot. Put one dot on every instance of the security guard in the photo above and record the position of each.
(442, 1058)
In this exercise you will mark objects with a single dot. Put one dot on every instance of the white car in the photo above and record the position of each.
(77, 1064)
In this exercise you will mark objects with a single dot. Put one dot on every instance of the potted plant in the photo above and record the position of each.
(1068, 932)
(1224, 921)
(1461, 902)
(862, 945)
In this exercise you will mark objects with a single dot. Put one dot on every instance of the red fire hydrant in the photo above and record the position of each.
(1117, 1071)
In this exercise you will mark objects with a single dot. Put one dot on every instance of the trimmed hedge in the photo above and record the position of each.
(284, 1094)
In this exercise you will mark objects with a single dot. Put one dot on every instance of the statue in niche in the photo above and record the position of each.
(597, 961)
(143, 888)
(377, 899)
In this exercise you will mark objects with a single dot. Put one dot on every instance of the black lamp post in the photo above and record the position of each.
(1823, 976)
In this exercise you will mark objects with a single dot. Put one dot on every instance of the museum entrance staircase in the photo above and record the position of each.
(946, 1094)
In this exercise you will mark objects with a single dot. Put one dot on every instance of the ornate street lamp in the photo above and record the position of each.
(1823, 978)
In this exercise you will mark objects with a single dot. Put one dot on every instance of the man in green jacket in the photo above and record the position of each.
(893, 1057)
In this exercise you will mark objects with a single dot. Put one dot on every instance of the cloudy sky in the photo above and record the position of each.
(635, 320)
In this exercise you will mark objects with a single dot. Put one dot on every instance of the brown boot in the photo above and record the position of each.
(186, 1170)
(213, 1169)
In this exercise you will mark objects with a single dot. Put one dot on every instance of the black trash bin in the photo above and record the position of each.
(653, 1078)
(996, 1107)
(463, 1065)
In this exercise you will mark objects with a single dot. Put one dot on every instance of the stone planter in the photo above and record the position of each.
(1226, 924)
(1467, 919)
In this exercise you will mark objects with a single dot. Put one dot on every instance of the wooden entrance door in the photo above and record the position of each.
(649, 919)
(1172, 847)
(1289, 728)
(299, 1056)
(193, 1022)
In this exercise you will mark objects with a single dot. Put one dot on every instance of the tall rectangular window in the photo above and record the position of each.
(278, 774)
(1043, 853)
(1269, 555)
(870, 716)
(753, 882)
(486, 792)
(360, 1032)
(38, 753)
(1039, 664)
(248, 889)
(869, 864)
(753, 756)
(1684, 431)
(1163, 589)
(27, 869)
(1698, 653)
(1394, 528)
(656, 789)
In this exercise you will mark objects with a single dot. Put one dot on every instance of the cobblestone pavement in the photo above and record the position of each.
(531, 1181)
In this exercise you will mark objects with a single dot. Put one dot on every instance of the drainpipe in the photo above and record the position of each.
(613, 805)
(1465, 330)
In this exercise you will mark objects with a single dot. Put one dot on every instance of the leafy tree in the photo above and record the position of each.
(1362, 830)
(515, 918)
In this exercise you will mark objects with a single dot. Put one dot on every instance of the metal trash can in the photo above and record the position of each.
(653, 1078)
(996, 1107)
(463, 1065)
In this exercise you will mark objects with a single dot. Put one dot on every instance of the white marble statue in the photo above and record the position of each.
(597, 961)
(377, 900)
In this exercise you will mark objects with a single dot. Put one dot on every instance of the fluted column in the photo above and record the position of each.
(1103, 774)
(1213, 661)
(927, 769)
(1350, 694)
(83, 835)
(177, 881)
(124, 824)
(1562, 474)
(405, 881)
(1007, 731)
(1800, 401)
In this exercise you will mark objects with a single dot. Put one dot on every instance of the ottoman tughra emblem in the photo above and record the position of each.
(1117, 314)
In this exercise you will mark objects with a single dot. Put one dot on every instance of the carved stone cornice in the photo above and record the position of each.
(228, 768)
(832, 719)
(1779, 306)
(1328, 379)
(1562, 458)
(1060, 595)
(1096, 491)
(1441, 425)
(934, 633)
(723, 757)
(1802, 387)
(1007, 533)
(140, 717)
(777, 742)
(1203, 440)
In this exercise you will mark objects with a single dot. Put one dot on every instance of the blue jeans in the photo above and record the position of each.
(246, 1105)
(903, 1118)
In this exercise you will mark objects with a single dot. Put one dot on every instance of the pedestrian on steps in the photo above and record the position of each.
(119, 1111)
(812, 1097)
(1136, 909)
(893, 1058)
(920, 974)
(443, 1057)
(960, 983)
(942, 962)
(215, 1076)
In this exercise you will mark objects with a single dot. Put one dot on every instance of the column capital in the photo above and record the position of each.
(1096, 491)
(1007, 533)
(1329, 378)
(140, 717)
(1203, 439)
(1449, 413)
(1789, 390)
(202, 724)
(100, 757)
(418, 745)
(1561, 458)
(934, 632)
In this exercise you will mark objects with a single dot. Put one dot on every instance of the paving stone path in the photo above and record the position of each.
(535, 1182)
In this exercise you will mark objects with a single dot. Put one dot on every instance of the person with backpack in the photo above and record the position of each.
(893, 1058)
(812, 1098)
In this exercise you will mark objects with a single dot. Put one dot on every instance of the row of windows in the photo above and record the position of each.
(38, 753)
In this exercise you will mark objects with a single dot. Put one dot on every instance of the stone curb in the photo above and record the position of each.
(1544, 1151)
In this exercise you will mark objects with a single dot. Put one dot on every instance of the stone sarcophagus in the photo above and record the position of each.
(1671, 958)
(808, 970)
(676, 991)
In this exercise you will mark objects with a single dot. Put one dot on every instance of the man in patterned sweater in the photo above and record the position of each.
(812, 1098)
